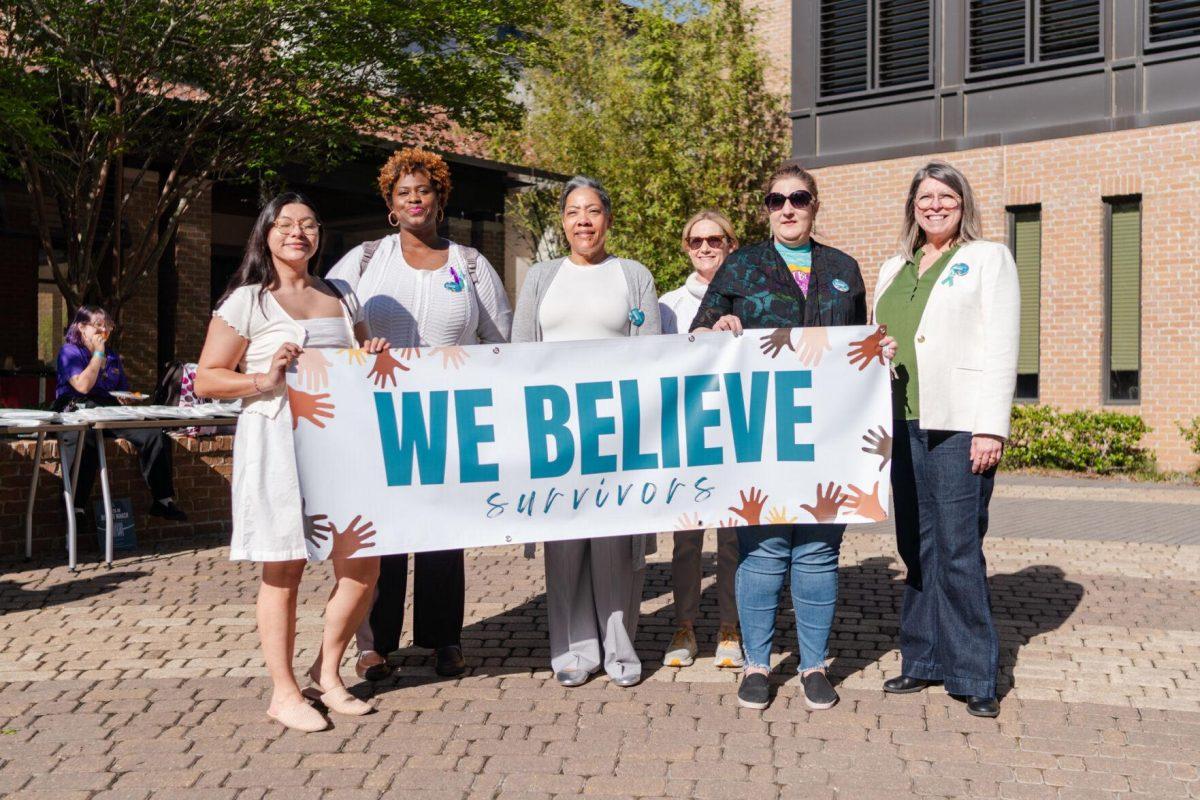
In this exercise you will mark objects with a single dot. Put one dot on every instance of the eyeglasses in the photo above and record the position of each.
(925, 201)
(308, 227)
(714, 242)
(799, 199)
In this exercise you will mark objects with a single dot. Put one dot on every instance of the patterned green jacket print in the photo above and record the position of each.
(755, 286)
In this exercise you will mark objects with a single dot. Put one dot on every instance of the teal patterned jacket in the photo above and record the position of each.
(754, 285)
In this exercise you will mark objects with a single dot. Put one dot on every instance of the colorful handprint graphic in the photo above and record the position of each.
(879, 443)
(410, 353)
(774, 342)
(311, 407)
(384, 369)
(354, 355)
(864, 351)
(866, 504)
(313, 368)
(814, 344)
(752, 506)
(829, 502)
(779, 516)
(452, 356)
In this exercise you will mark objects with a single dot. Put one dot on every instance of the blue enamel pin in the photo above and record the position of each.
(957, 271)
(637, 316)
(455, 285)
(841, 285)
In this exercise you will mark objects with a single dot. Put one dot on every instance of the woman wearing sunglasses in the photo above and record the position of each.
(787, 281)
(708, 239)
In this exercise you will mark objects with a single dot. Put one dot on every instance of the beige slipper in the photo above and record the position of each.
(339, 700)
(300, 717)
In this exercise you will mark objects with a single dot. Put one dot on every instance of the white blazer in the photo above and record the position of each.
(967, 340)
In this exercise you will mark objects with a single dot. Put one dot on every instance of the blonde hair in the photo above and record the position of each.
(713, 216)
(970, 228)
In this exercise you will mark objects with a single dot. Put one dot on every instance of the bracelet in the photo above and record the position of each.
(254, 380)
(97, 354)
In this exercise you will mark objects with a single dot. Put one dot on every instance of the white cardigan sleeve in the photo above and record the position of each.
(1000, 297)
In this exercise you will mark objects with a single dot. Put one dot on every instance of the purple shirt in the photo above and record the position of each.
(74, 358)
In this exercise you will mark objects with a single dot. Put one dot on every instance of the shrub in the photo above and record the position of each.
(1191, 434)
(1081, 441)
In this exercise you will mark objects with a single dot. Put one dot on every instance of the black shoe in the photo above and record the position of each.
(983, 706)
(167, 511)
(818, 691)
(449, 661)
(754, 691)
(903, 684)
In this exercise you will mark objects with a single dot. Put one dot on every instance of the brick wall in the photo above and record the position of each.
(139, 316)
(774, 30)
(193, 264)
(203, 467)
(862, 204)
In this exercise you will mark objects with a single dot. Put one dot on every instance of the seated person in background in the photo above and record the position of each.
(88, 372)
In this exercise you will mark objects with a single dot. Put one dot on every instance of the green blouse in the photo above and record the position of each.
(901, 308)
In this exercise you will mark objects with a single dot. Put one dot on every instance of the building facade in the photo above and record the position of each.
(1077, 123)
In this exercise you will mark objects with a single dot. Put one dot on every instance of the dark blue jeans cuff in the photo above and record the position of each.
(922, 670)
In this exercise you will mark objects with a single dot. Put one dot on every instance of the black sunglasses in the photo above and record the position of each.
(799, 199)
(694, 242)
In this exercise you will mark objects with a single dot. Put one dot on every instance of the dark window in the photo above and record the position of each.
(1123, 317)
(1005, 34)
(1025, 229)
(873, 44)
(1171, 22)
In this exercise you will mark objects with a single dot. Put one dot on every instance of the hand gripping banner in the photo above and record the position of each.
(449, 447)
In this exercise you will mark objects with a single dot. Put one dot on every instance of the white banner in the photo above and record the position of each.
(449, 447)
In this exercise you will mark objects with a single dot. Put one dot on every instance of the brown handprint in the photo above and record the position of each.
(752, 506)
(879, 443)
(868, 349)
(315, 527)
(313, 368)
(775, 341)
(814, 344)
(866, 505)
(452, 356)
(354, 355)
(384, 369)
(308, 406)
(351, 539)
(829, 503)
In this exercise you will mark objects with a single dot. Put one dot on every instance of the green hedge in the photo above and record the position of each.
(1081, 441)
(1191, 434)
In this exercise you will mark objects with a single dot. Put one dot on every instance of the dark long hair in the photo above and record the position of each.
(257, 266)
(85, 315)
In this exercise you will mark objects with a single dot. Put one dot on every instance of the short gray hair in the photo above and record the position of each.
(584, 182)
(912, 238)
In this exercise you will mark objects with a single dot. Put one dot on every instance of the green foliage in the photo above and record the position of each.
(1191, 434)
(101, 98)
(1081, 441)
(666, 106)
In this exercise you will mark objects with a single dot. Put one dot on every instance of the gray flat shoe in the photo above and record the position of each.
(626, 681)
(572, 677)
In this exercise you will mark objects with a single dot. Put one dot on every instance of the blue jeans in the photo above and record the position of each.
(946, 629)
(767, 553)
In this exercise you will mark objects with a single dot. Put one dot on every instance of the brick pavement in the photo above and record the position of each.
(144, 681)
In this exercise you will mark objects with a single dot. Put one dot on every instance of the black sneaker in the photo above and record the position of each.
(818, 691)
(754, 691)
(449, 661)
(167, 511)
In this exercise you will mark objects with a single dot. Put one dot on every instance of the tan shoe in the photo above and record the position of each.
(339, 701)
(682, 650)
(729, 649)
(299, 717)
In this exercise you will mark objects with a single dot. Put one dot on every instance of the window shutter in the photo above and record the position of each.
(998, 34)
(903, 45)
(1068, 28)
(1173, 19)
(844, 66)
(1027, 250)
(1124, 286)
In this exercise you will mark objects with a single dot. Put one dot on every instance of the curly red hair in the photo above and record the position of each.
(410, 160)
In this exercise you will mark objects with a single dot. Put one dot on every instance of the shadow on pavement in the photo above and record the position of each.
(15, 596)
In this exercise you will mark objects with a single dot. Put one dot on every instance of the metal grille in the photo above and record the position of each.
(903, 41)
(1068, 28)
(844, 64)
(1171, 20)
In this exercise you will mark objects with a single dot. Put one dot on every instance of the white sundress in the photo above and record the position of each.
(267, 509)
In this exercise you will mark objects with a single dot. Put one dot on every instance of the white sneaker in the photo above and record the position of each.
(682, 650)
(729, 648)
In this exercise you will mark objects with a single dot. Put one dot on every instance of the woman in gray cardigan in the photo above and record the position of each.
(593, 586)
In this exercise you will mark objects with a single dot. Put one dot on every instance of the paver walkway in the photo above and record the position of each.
(145, 681)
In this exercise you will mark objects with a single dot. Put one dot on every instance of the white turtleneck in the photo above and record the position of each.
(678, 307)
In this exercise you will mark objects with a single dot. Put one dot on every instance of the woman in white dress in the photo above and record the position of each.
(419, 289)
(273, 310)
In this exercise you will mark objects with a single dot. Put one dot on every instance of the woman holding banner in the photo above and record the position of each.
(419, 289)
(593, 586)
(274, 309)
(708, 239)
(953, 303)
(787, 281)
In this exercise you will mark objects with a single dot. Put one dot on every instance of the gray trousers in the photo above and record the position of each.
(686, 572)
(594, 597)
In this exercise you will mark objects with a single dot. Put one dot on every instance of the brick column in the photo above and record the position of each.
(139, 317)
(193, 264)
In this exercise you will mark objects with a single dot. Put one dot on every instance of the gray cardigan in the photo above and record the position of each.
(527, 327)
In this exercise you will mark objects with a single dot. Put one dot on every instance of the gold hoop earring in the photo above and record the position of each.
(441, 214)
(393, 220)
